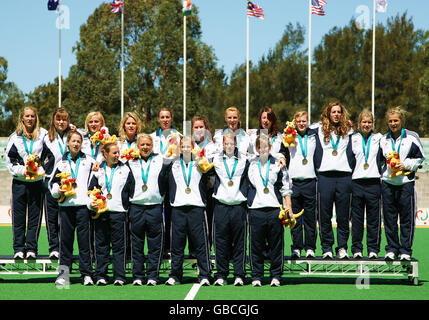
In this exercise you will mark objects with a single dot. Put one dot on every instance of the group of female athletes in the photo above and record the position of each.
(166, 198)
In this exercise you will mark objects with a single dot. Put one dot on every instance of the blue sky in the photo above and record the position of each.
(30, 37)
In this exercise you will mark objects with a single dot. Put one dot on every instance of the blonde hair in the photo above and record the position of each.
(365, 113)
(144, 136)
(122, 134)
(89, 116)
(396, 110)
(299, 114)
(20, 127)
(234, 109)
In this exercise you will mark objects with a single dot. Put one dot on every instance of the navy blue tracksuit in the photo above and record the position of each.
(304, 197)
(366, 195)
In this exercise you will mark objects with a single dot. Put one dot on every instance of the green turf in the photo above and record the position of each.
(296, 287)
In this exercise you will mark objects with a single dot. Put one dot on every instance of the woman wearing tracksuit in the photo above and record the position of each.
(398, 193)
(366, 187)
(232, 119)
(230, 211)
(145, 213)
(334, 163)
(304, 191)
(116, 182)
(56, 145)
(129, 128)
(94, 122)
(269, 187)
(161, 137)
(27, 194)
(73, 211)
(187, 188)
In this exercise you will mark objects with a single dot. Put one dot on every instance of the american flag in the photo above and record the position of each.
(317, 7)
(117, 6)
(254, 10)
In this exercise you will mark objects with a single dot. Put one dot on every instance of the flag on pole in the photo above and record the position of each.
(187, 7)
(117, 6)
(381, 5)
(53, 4)
(317, 7)
(253, 10)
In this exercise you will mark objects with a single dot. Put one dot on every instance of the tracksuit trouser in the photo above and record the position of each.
(75, 219)
(265, 227)
(229, 238)
(27, 202)
(110, 234)
(366, 200)
(191, 222)
(399, 201)
(146, 221)
(304, 197)
(51, 209)
(334, 187)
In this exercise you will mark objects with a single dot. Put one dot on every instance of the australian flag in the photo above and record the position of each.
(53, 4)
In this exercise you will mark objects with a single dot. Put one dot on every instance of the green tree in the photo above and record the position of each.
(343, 65)
(153, 64)
(278, 80)
(11, 101)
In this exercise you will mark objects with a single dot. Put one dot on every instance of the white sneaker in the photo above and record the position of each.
(405, 257)
(101, 282)
(30, 255)
(19, 255)
(54, 255)
(87, 281)
(118, 283)
(151, 283)
(373, 255)
(219, 282)
(389, 256)
(238, 282)
(296, 254)
(327, 255)
(309, 254)
(357, 255)
(204, 282)
(60, 282)
(138, 282)
(342, 254)
(170, 282)
(275, 282)
(256, 283)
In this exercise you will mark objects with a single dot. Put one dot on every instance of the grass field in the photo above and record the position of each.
(295, 287)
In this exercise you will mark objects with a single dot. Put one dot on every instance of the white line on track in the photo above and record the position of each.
(193, 292)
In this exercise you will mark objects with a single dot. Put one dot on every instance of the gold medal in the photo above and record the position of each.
(230, 183)
(144, 188)
(366, 166)
(188, 190)
(304, 161)
(335, 153)
(109, 196)
(74, 185)
(266, 190)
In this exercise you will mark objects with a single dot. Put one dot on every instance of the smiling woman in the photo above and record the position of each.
(23, 153)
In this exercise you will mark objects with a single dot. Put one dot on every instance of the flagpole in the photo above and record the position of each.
(247, 74)
(122, 61)
(59, 54)
(309, 63)
(373, 61)
(184, 75)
